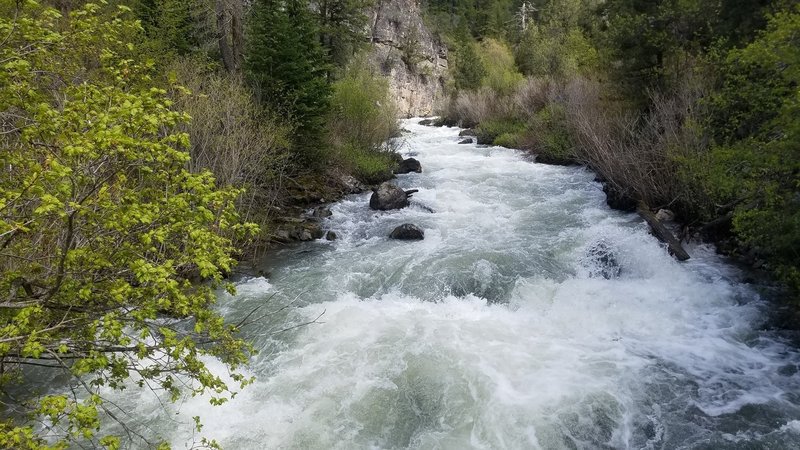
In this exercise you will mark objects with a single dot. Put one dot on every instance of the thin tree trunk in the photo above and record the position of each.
(222, 37)
(237, 33)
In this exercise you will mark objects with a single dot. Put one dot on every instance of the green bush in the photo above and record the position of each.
(549, 135)
(755, 160)
(505, 132)
(502, 75)
(371, 167)
(363, 118)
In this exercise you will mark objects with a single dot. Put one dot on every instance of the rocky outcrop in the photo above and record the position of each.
(408, 232)
(409, 54)
(407, 166)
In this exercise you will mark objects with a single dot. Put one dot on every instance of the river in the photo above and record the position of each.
(498, 331)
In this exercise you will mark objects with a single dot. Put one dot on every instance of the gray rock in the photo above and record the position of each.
(388, 196)
(408, 232)
(467, 132)
(351, 185)
(665, 215)
(308, 231)
(331, 236)
(426, 122)
(282, 236)
(321, 212)
(407, 166)
(465, 141)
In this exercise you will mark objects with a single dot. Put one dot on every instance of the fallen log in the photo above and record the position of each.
(662, 233)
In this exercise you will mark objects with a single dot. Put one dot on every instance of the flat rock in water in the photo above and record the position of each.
(388, 196)
(408, 232)
(466, 141)
(407, 166)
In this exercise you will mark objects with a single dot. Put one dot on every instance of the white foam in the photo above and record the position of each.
(491, 333)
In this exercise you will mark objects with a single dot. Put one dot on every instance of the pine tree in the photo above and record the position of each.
(288, 66)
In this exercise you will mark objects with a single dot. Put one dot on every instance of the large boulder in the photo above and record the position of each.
(408, 232)
(388, 196)
(408, 165)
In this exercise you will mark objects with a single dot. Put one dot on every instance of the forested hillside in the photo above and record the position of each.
(690, 106)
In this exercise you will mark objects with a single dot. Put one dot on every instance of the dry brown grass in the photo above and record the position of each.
(638, 154)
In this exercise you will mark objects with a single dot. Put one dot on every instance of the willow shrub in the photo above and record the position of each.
(101, 229)
(362, 119)
(501, 73)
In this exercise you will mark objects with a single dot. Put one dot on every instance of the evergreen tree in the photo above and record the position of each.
(287, 64)
(342, 27)
(469, 69)
(168, 25)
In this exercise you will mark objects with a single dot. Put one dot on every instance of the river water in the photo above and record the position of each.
(498, 331)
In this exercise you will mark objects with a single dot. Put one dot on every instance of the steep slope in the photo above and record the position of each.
(407, 52)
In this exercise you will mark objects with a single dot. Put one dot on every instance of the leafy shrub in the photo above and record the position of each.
(370, 167)
(548, 134)
(103, 228)
(507, 131)
(363, 118)
(502, 75)
(756, 158)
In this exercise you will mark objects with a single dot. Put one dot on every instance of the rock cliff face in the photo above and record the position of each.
(406, 51)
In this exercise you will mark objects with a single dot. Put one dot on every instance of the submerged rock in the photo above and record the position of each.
(601, 260)
(388, 196)
(408, 165)
(426, 122)
(465, 141)
(408, 232)
(331, 236)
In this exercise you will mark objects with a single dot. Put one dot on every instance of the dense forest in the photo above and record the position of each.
(148, 145)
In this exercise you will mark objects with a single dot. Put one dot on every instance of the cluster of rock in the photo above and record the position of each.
(385, 197)
(388, 196)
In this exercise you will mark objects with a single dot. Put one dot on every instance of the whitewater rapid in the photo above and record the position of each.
(495, 332)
